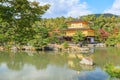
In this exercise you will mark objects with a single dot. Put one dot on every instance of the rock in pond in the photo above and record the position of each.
(87, 61)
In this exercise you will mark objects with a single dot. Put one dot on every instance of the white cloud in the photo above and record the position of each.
(66, 8)
(79, 10)
(115, 9)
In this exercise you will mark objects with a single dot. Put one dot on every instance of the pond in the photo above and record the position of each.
(26, 65)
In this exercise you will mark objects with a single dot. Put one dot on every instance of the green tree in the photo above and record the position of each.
(78, 36)
(118, 37)
(41, 37)
(113, 71)
(20, 15)
(53, 38)
(111, 40)
(65, 45)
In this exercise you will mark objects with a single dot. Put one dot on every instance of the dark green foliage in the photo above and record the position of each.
(53, 38)
(111, 40)
(65, 45)
(112, 70)
(105, 15)
(41, 38)
(78, 36)
(17, 18)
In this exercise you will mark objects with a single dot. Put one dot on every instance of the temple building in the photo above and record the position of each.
(83, 26)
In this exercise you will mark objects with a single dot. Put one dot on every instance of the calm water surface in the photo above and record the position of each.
(55, 65)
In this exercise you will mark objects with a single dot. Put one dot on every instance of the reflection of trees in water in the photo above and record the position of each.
(15, 65)
(74, 62)
(40, 61)
(106, 55)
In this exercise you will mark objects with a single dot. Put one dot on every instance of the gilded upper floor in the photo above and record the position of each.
(78, 24)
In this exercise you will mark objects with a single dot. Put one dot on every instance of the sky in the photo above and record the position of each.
(76, 8)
